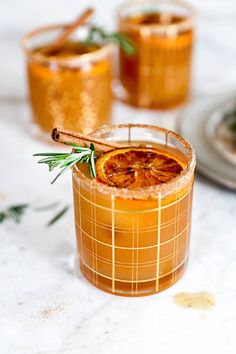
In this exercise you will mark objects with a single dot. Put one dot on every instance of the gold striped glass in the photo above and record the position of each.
(159, 75)
(135, 242)
(71, 91)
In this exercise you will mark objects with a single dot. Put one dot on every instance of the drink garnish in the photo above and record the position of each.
(65, 161)
(59, 42)
(97, 35)
(119, 166)
(136, 167)
(83, 151)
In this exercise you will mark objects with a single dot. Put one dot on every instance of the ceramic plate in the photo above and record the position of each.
(196, 126)
(219, 134)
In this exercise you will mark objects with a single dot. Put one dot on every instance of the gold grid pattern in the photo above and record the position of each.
(122, 249)
(160, 75)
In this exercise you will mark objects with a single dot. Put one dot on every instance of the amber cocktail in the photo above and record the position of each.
(133, 221)
(71, 88)
(159, 76)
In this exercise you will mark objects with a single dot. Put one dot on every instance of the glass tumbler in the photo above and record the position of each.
(159, 75)
(72, 92)
(135, 242)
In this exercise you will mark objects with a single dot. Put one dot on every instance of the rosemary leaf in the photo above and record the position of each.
(46, 207)
(98, 36)
(2, 217)
(52, 153)
(82, 148)
(57, 216)
(65, 161)
(14, 212)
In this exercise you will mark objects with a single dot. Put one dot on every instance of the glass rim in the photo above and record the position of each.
(97, 54)
(150, 192)
(185, 24)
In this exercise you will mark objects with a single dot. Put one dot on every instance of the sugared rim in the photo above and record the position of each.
(145, 192)
(159, 28)
(75, 59)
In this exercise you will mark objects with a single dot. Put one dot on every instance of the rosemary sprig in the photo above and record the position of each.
(3, 216)
(65, 161)
(46, 207)
(97, 35)
(58, 216)
(14, 212)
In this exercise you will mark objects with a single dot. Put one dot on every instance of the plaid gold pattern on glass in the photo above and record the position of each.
(135, 244)
(159, 76)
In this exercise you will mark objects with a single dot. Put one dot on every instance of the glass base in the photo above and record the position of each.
(132, 289)
(122, 95)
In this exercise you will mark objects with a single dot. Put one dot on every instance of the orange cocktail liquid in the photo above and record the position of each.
(130, 246)
(158, 76)
(65, 94)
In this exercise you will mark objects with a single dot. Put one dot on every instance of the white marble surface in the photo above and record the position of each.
(44, 307)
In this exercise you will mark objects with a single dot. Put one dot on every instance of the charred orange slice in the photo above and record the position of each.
(136, 167)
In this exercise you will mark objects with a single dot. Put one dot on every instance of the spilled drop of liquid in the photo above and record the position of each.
(201, 300)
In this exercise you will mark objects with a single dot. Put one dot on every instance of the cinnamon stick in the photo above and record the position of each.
(70, 137)
(62, 38)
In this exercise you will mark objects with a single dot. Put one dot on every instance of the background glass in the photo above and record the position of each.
(72, 92)
(159, 76)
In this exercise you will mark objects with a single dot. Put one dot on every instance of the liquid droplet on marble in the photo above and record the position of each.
(201, 300)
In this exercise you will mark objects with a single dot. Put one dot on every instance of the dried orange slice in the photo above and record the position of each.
(136, 167)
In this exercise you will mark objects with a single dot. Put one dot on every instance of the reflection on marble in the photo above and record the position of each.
(44, 307)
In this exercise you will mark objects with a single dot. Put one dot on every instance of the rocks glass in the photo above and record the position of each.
(159, 75)
(71, 89)
(135, 242)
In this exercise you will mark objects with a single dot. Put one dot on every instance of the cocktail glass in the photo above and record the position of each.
(72, 91)
(159, 75)
(135, 242)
